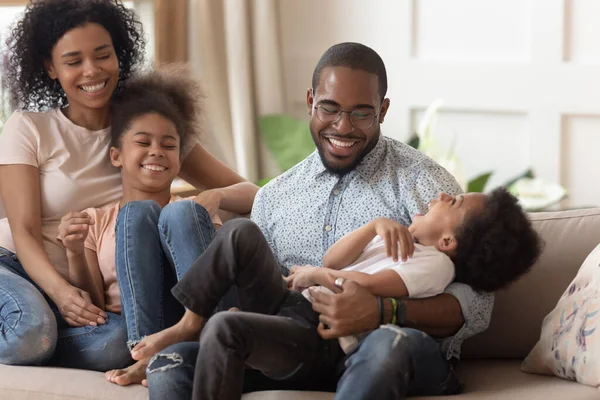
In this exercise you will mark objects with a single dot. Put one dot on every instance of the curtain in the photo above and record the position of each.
(233, 48)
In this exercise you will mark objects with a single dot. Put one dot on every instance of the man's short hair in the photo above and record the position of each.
(354, 56)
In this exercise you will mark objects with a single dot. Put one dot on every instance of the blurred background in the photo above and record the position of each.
(495, 90)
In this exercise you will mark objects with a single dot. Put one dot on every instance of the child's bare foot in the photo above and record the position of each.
(187, 329)
(135, 373)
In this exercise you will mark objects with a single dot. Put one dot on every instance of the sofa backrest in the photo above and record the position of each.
(519, 310)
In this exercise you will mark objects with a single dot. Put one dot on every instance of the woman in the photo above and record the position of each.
(66, 60)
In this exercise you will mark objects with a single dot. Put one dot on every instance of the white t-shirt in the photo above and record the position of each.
(426, 274)
(74, 167)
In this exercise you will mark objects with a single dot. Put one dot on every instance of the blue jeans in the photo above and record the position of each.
(390, 363)
(155, 247)
(33, 332)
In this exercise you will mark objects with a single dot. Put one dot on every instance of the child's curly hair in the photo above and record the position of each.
(496, 245)
(44, 22)
(168, 91)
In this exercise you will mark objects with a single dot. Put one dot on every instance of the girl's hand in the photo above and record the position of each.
(73, 230)
(210, 200)
(302, 277)
(395, 235)
(75, 305)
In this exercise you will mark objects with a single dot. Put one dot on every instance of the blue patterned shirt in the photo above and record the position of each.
(307, 209)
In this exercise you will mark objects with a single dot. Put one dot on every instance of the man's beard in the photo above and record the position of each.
(350, 167)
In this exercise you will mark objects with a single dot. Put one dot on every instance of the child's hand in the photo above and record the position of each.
(394, 234)
(301, 277)
(73, 230)
(210, 200)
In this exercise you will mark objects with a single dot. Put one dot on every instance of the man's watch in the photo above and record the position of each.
(400, 312)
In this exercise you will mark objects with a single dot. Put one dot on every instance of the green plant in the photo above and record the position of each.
(288, 140)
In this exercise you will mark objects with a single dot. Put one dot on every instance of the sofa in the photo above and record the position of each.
(491, 362)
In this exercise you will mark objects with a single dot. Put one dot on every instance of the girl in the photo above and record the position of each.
(153, 121)
(66, 59)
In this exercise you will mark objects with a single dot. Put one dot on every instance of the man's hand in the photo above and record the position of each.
(73, 230)
(395, 235)
(349, 311)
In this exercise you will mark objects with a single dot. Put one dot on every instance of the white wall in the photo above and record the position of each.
(520, 78)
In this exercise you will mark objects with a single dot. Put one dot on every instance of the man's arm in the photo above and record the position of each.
(439, 316)
(355, 310)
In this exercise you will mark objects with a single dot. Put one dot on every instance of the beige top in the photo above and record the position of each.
(75, 171)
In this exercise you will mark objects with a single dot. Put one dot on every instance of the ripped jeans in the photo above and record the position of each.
(155, 247)
(275, 345)
(33, 332)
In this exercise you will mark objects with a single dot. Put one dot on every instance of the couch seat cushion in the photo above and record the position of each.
(486, 380)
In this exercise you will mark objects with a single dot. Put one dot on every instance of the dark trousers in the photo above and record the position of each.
(275, 333)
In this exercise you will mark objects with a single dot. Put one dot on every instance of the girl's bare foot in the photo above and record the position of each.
(135, 373)
(185, 330)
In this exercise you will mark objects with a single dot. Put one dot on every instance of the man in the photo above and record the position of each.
(357, 175)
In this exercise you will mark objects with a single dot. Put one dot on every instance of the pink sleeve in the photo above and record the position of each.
(19, 141)
(91, 240)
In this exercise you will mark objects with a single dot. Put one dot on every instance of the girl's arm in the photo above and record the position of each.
(205, 172)
(23, 209)
(84, 272)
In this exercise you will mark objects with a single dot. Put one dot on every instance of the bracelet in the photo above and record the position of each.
(380, 303)
(401, 313)
(394, 309)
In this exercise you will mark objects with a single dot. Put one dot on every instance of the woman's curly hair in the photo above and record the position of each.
(169, 91)
(32, 38)
(497, 245)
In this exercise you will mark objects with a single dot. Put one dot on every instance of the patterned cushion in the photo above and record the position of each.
(569, 346)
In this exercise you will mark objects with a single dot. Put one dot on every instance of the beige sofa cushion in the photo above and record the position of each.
(485, 380)
(519, 310)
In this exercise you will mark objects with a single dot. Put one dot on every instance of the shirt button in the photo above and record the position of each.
(336, 192)
(327, 228)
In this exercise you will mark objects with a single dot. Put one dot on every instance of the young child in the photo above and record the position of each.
(485, 241)
(127, 255)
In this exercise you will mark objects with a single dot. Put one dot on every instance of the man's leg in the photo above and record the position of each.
(170, 373)
(393, 363)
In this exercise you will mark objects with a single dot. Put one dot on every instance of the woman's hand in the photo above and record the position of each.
(76, 307)
(395, 235)
(73, 230)
(302, 277)
(210, 200)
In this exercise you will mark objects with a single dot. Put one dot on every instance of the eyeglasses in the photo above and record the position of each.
(361, 118)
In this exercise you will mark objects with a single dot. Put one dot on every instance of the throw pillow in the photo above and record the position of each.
(569, 346)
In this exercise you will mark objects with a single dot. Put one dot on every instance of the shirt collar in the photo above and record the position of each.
(367, 166)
